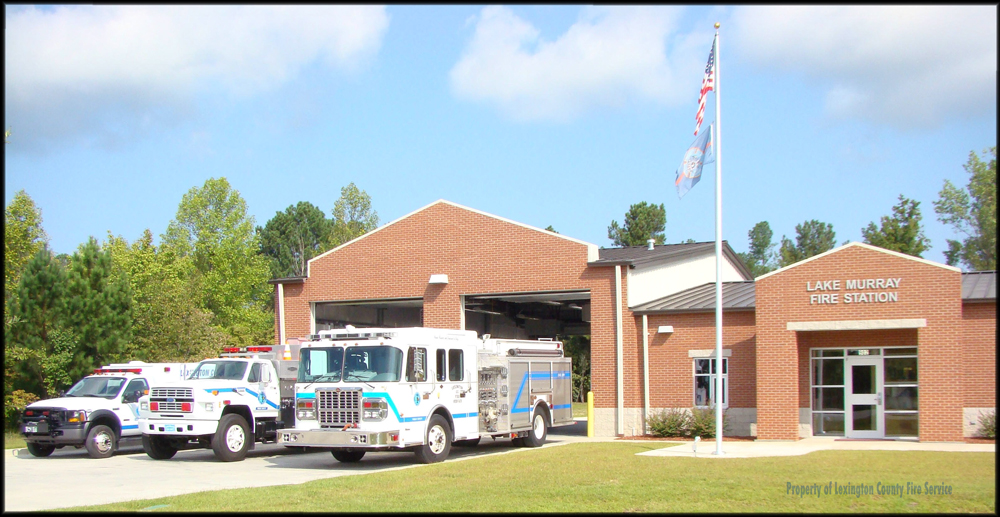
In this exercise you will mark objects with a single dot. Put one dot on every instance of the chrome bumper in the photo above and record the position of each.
(338, 438)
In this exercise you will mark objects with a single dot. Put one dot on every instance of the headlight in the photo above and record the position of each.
(374, 409)
(144, 405)
(305, 409)
(76, 416)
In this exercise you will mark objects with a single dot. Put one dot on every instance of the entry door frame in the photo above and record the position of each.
(873, 399)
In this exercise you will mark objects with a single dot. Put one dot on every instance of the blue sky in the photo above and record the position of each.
(547, 115)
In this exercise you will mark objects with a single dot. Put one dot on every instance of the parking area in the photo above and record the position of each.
(70, 478)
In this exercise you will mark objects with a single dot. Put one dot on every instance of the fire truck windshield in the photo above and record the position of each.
(227, 370)
(351, 364)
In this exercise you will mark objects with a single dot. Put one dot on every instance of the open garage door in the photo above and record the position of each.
(394, 313)
(534, 315)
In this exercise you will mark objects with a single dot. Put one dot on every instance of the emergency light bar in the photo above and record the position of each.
(355, 335)
(236, 350)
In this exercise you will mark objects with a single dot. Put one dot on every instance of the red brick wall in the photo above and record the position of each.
(480, 254)
(926, 291)
(979, 354)
(671, 371)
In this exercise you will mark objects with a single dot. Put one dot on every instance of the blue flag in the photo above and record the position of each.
(700, 153)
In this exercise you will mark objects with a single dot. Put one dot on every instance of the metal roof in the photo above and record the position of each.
(735, 295)
(976, 286)
(979, 285)
(638, 255)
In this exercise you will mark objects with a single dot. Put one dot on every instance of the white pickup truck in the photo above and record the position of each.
(97, 412)
(227, 404)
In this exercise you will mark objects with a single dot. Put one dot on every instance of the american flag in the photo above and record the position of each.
(707, 85)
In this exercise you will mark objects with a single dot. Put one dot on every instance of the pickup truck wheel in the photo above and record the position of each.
(348, 456)
(472, 442)
(232, 439)
(157, 447)
(438, 442)
(39, 450)
(539, 430)
(100, 442)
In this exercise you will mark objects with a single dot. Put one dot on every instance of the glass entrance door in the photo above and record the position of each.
(864, 410)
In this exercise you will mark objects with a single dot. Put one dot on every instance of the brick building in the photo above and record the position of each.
(857, 342)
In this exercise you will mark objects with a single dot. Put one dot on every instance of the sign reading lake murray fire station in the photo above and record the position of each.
(868, 290)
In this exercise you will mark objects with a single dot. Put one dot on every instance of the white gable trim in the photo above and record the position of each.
(592, 253)
(863, 245)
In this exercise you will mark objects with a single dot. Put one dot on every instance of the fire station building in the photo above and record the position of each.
(857, 342)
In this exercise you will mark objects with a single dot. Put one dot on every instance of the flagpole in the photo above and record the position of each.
(718, 249)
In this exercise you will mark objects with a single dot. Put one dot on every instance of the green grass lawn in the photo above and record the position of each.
(12, 440)
(579, 410)
(609, 477)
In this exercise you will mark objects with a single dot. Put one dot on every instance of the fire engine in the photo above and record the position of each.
(97, 412)
(227, 404)
(421, 389)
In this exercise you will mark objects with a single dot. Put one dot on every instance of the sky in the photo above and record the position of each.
(546, 115)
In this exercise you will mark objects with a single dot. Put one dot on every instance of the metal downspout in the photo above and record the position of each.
(620, 413)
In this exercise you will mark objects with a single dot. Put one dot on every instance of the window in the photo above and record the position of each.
(441, 370)
(457, 367)
(704, 382)
(135, 385)
(254, 373)
(828, 391)
(416, 364)
(320, 364)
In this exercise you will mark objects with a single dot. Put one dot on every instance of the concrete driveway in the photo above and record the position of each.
(70, 478)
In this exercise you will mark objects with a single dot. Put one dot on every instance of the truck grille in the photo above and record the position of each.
(177, 393)
(338, 408)
(172, 407)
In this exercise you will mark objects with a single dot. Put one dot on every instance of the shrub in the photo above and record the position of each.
(669, 422)
(702, 423)
(14, 404)
(988, 424)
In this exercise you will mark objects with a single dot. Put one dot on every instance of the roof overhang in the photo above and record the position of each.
(287, 280)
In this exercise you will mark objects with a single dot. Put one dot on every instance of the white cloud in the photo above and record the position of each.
(610, 57)
(908, 66)
(111, 70)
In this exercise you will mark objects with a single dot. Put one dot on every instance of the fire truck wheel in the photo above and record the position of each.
(157, 447)
(348, 456)
(100, 442)
(40, 451)
(232, 439)
(468, 443)
(539, 430)
(438, 443)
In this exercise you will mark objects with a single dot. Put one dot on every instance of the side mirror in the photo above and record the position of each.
(266, 376)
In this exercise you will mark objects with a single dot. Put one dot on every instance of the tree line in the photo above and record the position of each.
(970, 211)
(204, 286)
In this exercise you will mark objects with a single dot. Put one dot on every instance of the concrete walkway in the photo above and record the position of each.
(706, 448)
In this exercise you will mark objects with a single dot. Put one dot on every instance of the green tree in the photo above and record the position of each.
(98, 309)
(36, 310)
(761, 257)
(550, 228)
(578, 349)
(900, 232)
(811, 238)
(23, 238)
(293, 237)
(352, 215)
(213, 229)
(643, 221)
(972, 211)
(167, 324)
